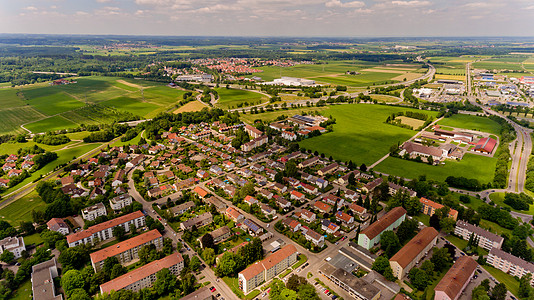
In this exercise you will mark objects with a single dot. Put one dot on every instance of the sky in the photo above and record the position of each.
(336, 18)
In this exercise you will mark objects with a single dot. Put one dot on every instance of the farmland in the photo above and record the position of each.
(472, 122)
(191, 106)
(360, 133)
(50, 124)
(471, 166)
(12, 118)
(233, 98)
(272, 115)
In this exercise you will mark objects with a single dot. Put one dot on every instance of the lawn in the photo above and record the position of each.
(20, 210)
(494, 227)
(461, 244)
(50, 124)
(471, 166)
(12, 147)
(12, 118)
(33, 239)
(232, 98)
(511, 283)
(472, 122)
(24, 292)
(498, 198)
(300, 262)
(360, 133)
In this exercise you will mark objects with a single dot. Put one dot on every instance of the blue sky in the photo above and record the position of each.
(270, 17)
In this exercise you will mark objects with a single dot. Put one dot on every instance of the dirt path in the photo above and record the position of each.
(130, 84)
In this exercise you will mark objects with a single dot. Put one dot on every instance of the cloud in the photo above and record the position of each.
(31, 8)
(413, 3)
(82, 13)
(338, 3)
(108, 11)
(481, 5)
(103, 1)
(529, 7)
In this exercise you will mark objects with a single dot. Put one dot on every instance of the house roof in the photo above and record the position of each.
(435, 205)
(140, 273)
(486, 144)
(125, 245)
(220, 232)
(200, 191)
(355, 207)
(377, 227)
(453, 282)
(322, 206)
(479, 231)
(105, 225)
(411, 147)
(56, 223)
(411, 250)
(269, 262)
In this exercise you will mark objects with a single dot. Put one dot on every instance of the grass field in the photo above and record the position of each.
(55, 103)
(511, 283)
(9, 98)
(472, 122)
(272, 115)
(360, 133)
(14, 117)
(471, 166)
(20, 210)
(231, 98)
(191, 106)
(135, 106)
(495, 65)
(498, 198)
(24, 292)
(363, 79)
(50, 124)
(415, 123)
(12, 147)
(450, 77)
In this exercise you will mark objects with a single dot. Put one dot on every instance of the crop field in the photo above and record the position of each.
(9, 98)
(450, 77)
(363, 79)
(52, 104)
(191, 106)
(163, 95)
(385, 98)
(133, 105)
(471, 166)
(472, 123)
(94, 114)
(50, 124)
(360, 133)
(231, 98)
(307, 71)
(14, 117)
(495, 65)
(415, 123)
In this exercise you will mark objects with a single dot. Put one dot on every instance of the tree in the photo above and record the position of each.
(363, 168)
(7, 256)
(50, 238)
(165, 282)
(291, 169)
(294, 282)
(407, 230)
(74, 257)
(119, 232)
(117, 271)
(389, 242)
(308, 292)
(447, 225)
(434, 222)
(27, 227)
(194, 264)
(525, 289)
(440, 258)
(79, 294)
(380, 264)
(207, 241)
(71, 280)
(209, 256)
(498, 292)
(188, 283)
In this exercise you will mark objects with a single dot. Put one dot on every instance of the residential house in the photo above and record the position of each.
(94, 211)
(58, 225)
(198, 221)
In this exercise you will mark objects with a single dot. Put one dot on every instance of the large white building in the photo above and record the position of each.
(487, 240)
(43, 275)
(120, 201)
(144, 277)
(14, 245)
(104, 231)
(94, 211)
(291, 81)
(265, 270)
(510, 264)
(370, 236)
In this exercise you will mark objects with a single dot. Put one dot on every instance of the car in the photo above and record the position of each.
(218, 295)
(343, 238)
(263, 295)
(298, 270)
(479, 271)
(337, 243)
(475, 277)
(213, 289)
(217, 279)
(268, 225)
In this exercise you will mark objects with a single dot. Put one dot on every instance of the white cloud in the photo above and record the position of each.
(338, 3)
(82, 13)
(31, 8)
(481, 5)
(529, 7)
(103, 1)
(413, 3)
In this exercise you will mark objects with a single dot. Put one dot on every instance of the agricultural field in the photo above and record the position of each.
(191, 106)
(472, 122)
(450, 77)
(10, 99)
(131, 104)
(360, 133)
(415, 123)
(498, 66)
(53, 104)
(471, 166)
(20, 209)
(50, 124)
(385, 98)
(232, 98)
(12, 118)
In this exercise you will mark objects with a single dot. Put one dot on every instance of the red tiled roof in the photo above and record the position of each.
(105, 225)
(125, 245)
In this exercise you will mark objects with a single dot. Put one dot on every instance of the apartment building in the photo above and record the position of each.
(198, 221)
(92, 212)
(486, 239)
(510, 264)
(457, 278)
(120, 202)
(407, 257)
(370, 236)
(144, 277)
(128, 250)
(14, 245)
(43, 275)
(104, 230)
(265, 270)
(430, 207)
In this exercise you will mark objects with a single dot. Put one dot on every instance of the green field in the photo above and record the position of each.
(305, 71)
(55, 103)
(472, 122)
(12, 118)
(496, 65)
(9, 99)
(24, 292)
(360, 133)
(498, 198)
(272, 115)
(231, 98)
(20, 209)
(511, 283)
(136, 107)
(50, 124)
(471, 166)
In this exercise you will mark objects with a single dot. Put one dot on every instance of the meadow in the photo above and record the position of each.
(191, 106)
(360, 133)
(231, 98)
(471, 166)
(12, 118)
(50, 124)
(20, 209)
(10, 99)
(472, 122)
